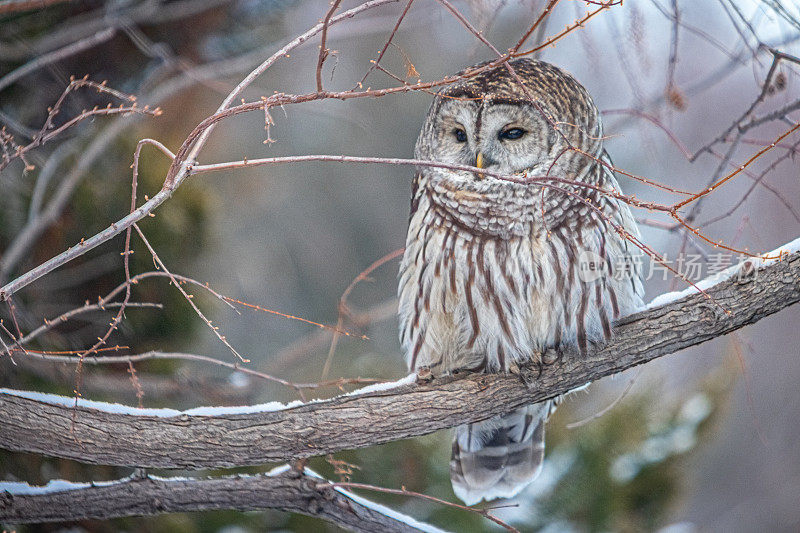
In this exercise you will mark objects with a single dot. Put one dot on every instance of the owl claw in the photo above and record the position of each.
(537, 361)
(552, 356)
(526, 380)
(424, 374)
(516, 370)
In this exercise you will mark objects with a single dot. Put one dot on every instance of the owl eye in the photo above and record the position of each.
(460, 135)
(511, 134)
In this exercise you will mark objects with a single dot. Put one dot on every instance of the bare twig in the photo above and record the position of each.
(486, 513)
(607, 408)
(48, 131)
(777, 57)
(377, 60)
(74, 358)
(344, 309)
(733, 174)
(188, 297)
(323, 50)
(56, 55)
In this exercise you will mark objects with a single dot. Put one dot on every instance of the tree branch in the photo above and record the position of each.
(141, 495)
(112, 434)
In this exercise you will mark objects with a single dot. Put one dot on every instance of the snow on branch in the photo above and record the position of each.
(142, 494)
(111, 434)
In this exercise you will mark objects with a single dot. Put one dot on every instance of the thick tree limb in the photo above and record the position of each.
(140, 495)
(111, 434)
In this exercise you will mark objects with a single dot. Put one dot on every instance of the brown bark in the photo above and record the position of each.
(144, 495)
(357, 421)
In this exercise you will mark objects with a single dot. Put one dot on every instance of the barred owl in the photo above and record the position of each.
(496, 271)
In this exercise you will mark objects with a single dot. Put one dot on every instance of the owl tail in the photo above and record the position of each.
(499, 457)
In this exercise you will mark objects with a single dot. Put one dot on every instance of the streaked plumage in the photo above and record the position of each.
(495, 271)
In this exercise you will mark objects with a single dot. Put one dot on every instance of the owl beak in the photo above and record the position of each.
(479, 162)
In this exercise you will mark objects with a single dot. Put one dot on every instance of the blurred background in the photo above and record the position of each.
(704, 440)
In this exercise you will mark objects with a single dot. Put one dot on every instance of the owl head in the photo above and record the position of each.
(512, 123)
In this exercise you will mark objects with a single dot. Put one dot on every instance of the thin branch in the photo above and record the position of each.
(88, 244)
(86, 308)
(405, 492)
(160, 264)
(48, 131)
(569, 29)
(758, 180)
(712, 187)
(26, 237)
(74, 358)
(56, 55)
(514, 178)
(609, 407)
(777, 57)
(297, 350)
(377, 60)
(542, 16)
(323, 50)
(344, 309)
(201, 138)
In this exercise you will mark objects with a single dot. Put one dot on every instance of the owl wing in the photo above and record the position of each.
(626, 248)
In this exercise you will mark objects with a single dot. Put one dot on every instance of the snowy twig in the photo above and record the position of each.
(141, 494)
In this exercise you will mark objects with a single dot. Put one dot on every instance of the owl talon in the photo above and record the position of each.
(526, 380)
(551, 357)
(424, 374)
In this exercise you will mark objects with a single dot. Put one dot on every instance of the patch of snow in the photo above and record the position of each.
(61, 485)
(679, 527)
(278, 470)
(579, 388)
(175, 479)
(69, 401)
(382, 509)
(116, 408)
(379, 387)
(19, 488)
(696, 409)
(391, 513)
(559, 526)
(241, 409)
(232, 529)
(757, 263)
